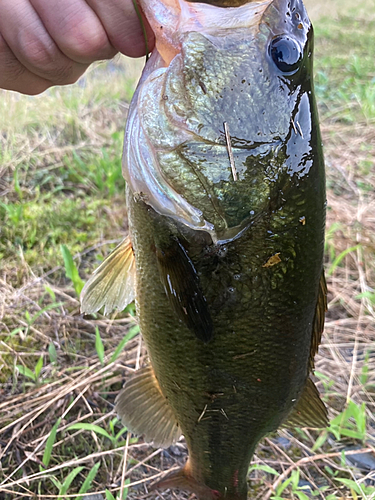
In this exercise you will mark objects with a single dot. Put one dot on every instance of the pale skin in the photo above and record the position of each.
(52, 42)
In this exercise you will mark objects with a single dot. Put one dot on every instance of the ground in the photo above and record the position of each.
(62, 210)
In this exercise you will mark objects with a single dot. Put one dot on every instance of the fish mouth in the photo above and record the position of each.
(211, 16)
(224, 3)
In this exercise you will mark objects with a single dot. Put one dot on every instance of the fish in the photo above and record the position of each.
(225, 192)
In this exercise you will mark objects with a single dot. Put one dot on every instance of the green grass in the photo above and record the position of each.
(65, 204)
(62, 210)
(345, 70)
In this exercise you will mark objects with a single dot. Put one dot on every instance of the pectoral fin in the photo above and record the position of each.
(145, 411)
(310, 411)
(318, 324)
(181, 284)
(112, 283)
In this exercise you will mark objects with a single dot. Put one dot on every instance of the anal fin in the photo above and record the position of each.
(310, 411)
(182, 287)
(145, 411)
(112, 283)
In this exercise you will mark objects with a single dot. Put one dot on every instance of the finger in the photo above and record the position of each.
(122, 25)
(14, 76)
(76, 29)
(32, 45)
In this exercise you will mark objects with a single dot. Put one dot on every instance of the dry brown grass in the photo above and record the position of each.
(74, 392)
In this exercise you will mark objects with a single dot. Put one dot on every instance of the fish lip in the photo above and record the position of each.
(248, 14)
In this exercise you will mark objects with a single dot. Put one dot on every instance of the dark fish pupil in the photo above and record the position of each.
(285, 53)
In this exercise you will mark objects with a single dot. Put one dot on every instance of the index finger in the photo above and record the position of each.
(124, 30)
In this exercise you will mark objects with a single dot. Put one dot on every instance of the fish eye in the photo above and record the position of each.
(286, 53)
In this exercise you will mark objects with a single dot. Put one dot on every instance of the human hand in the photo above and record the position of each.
(52, 42)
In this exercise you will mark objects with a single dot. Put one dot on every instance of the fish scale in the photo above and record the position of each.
(226, 205)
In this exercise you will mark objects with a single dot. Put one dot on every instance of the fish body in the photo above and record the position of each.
(226, 204)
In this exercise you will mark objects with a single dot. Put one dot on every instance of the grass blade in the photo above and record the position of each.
(49, 444)
(99, 346)
(125, 492)
(49, 307)
(340, 257)
(56, 482)
(108, 495)
(38, 367)
(131, 334)
(88, 481)
(68, 481)
(120, 433)
(90, 427)
(71, 270)
(52, 352)
(264, 468)
(26, 372)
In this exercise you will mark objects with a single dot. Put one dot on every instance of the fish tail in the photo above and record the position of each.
(183, 480)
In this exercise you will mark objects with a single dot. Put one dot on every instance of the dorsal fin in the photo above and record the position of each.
(145, 411)
(112, 283)
(318, 323)
(181, 284)
(310, 411)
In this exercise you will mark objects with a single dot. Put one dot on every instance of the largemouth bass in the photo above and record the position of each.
(226, 203)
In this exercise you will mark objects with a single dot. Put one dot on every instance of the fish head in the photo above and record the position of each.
(227, 111)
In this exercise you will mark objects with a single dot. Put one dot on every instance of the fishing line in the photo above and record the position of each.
(139, 15)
